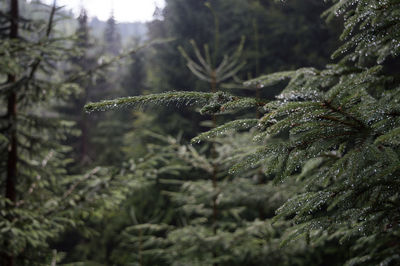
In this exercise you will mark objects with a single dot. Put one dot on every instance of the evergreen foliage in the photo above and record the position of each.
(112, 37)
(40, 199)
(295, 167)
(34, 156)
(81, 62)
(333, 132)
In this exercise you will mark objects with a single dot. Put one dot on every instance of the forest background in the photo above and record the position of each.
(230, 97)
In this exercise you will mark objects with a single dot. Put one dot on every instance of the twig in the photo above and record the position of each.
(38, 178)
(73, 187)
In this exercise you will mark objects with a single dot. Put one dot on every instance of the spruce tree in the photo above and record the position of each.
(39, 198)
(112, 37)
(85, 59)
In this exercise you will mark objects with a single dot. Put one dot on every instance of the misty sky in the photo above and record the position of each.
(124, 10)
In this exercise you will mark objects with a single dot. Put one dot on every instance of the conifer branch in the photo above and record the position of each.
(340, 111)
(184, 97)
(49, 28)
(113, 61)
(81, 180)
(228, 127)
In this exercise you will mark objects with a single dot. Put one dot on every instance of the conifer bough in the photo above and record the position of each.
(187, 98)
(211, 102)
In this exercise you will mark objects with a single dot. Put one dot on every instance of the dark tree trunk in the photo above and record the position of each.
(12, 118)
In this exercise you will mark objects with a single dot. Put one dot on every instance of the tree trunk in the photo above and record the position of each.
(12, 157)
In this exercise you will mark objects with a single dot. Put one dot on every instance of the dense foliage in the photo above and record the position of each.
(226, 165)
(41, 197)
(334, 132)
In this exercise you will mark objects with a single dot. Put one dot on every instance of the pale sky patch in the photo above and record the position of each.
(124, 10)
